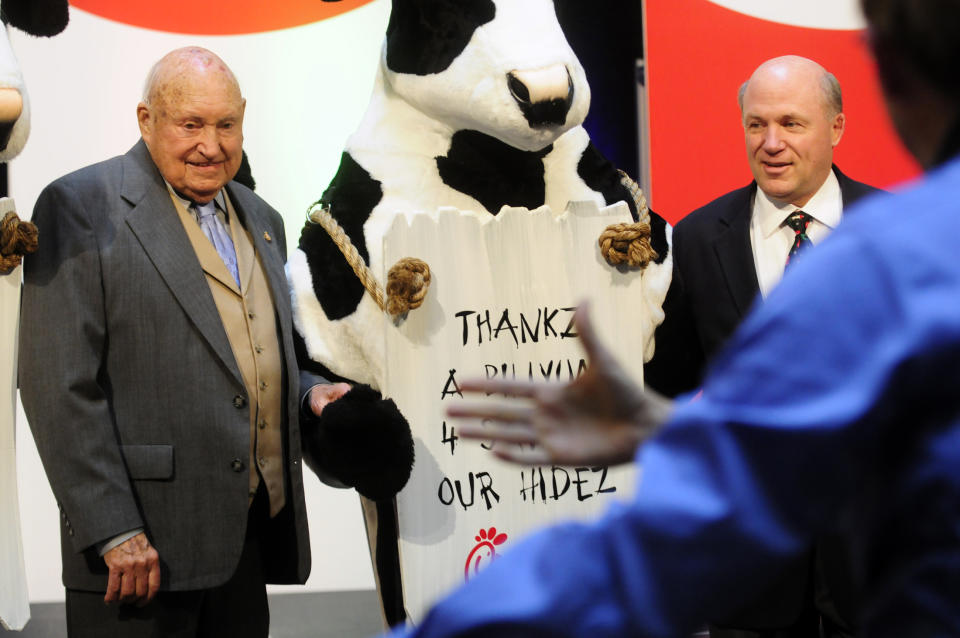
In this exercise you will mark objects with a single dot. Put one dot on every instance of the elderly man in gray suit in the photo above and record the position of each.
(159, 377)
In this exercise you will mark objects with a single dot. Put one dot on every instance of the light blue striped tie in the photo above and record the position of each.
(216, 231)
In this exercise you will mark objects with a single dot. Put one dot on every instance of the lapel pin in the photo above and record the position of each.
(266, 236)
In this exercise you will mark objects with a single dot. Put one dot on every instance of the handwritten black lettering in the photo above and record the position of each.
(536, 485)
(603, 477)
(486, 489)
(506, 324)
(571, 331)
(557, 493)
(451, 387)
(525, 328)
(579, 483)
(450, 438)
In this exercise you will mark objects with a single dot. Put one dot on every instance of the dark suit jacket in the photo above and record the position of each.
(714, 285)
(713, 288)
(131, 388)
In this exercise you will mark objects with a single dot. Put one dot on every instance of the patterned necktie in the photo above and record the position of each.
(798, 221)
(216, 231)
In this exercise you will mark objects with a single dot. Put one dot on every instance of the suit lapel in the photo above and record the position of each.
(733, 250)
(159, 230)
(851, 191)
(265, 245)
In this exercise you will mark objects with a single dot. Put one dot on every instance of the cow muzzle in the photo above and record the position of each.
(544, 95)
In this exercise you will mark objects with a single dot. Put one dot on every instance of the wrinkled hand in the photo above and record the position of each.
(134, 572)
(598, 419)
(324, 394)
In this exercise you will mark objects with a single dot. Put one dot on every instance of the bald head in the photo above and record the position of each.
(191, 120)
(803, 69)
(792, 120)
(182, 67)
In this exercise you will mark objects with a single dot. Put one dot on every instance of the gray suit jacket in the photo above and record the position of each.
(130, 386)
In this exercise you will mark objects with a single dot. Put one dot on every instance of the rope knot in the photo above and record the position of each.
(407, 280)
(17, 238)
(627, 244)
(407, 284)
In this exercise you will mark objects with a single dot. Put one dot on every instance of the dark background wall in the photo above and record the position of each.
(607, 36)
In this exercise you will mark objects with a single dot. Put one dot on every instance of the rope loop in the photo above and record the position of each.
(17, 238)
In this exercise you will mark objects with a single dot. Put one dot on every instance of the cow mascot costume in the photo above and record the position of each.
(477, 104)
(41, 18)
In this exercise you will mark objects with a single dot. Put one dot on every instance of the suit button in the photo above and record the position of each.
(251, 315)
(236, 465)
(258, 348)
(262, 424)
(263, 385)
(239, 401)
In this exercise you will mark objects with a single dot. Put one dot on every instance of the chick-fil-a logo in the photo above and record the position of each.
(217, 17)
(484, 551)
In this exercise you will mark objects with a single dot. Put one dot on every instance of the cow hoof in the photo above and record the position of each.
(407, 284)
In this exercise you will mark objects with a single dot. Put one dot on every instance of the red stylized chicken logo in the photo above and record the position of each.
(484, 552)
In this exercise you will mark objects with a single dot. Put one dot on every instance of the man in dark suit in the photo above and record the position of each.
(158, 374)
(733, 251)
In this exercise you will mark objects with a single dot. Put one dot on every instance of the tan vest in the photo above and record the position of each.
(250, 323)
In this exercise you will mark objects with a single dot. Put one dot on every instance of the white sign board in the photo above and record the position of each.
(500, 304)
(14, 607)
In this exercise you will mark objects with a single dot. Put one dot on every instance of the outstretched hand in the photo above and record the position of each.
(134, 572)
(601, 418)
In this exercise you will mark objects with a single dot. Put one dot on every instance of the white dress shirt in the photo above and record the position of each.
(771, 238)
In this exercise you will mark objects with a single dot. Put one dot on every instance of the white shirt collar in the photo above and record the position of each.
(826, 206)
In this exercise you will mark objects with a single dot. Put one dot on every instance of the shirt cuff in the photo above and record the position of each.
(305, 410)
(109, 544)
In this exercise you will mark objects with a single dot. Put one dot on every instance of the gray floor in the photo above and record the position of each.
(341, 614)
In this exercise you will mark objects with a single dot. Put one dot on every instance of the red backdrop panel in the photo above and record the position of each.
(699, 53)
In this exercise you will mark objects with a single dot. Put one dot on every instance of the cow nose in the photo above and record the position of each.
(544, 95)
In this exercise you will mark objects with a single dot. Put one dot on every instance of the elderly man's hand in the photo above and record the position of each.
(134, 572)
(322, 395)
(598, 419)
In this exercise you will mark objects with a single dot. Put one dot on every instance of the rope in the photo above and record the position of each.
(643, 211)
(407, 284)
(407, 280)
(17, 238)
(629, 243)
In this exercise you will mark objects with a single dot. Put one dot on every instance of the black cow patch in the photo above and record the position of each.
(352, 196)
(658, 237)
(426, 36)
(492, 172)
(601, 175)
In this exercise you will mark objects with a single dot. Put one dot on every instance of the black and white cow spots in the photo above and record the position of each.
(426, 36)
(477, 104)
